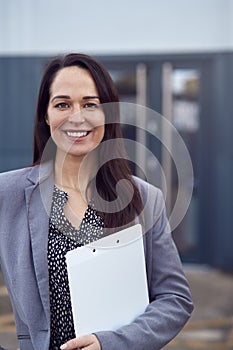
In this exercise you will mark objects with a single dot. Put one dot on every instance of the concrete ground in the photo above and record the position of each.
(211, 324)
(210, 327)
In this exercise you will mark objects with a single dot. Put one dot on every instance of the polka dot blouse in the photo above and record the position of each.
(62, 238)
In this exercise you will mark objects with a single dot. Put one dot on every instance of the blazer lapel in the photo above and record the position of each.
(38, 201)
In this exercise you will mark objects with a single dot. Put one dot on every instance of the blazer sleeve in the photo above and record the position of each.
(170, 301)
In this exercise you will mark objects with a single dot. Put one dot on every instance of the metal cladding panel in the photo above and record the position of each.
(19, 82)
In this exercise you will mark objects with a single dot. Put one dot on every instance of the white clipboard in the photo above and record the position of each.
(107, 281)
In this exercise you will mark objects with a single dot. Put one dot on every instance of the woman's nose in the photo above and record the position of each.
(77, 116)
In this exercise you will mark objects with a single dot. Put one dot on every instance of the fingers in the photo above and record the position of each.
(85, 342)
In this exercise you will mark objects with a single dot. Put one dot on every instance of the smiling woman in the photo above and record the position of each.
(56, 206)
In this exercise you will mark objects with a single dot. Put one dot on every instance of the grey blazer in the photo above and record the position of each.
(25, 201)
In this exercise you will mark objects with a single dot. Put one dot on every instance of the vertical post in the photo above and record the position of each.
(141, 91)
(166, 133)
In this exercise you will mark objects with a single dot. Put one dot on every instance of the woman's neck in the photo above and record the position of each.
(74, 172)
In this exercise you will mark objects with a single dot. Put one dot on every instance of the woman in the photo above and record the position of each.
(59, 204)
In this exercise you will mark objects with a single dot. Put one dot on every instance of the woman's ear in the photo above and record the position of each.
(47, 119)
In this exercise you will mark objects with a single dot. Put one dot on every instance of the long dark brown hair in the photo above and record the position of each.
(113, 170)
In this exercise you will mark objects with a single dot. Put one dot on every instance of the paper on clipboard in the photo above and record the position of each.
(107, 280)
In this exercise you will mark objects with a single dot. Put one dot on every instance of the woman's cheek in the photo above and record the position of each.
(56, 121)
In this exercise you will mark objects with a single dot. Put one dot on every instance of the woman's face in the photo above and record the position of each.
(74, 114)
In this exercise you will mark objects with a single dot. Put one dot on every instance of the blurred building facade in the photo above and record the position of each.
(173, 57)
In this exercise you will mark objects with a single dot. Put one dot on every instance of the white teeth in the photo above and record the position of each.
(76, 134)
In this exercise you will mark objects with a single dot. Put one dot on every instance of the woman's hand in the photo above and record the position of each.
(85, 342)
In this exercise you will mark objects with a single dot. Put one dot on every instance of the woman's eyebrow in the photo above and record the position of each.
(68, 97)
(90, 97)
(61, 96)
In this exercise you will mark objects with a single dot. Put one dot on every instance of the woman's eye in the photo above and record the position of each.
(91, 106)
(62, 105)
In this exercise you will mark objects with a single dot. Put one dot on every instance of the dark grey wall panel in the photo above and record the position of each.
(19, 81)
(222, 164)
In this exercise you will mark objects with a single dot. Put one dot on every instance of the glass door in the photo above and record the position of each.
(173, 89)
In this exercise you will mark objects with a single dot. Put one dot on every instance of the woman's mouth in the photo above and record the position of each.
(77, 134)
